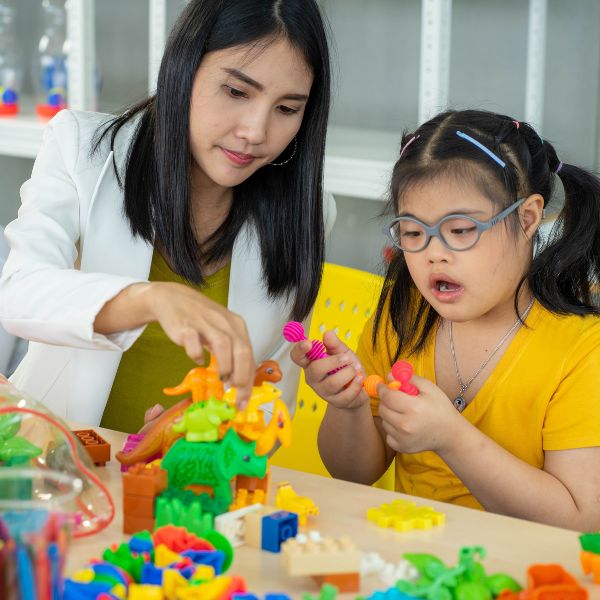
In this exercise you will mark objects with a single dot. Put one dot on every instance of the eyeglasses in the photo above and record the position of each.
(456, 232)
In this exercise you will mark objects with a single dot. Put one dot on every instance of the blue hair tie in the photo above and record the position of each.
(481, 147)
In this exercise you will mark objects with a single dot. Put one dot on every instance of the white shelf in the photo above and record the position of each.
(21, 136)
(357, 162)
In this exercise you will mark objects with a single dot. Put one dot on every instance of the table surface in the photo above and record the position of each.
(511, 544)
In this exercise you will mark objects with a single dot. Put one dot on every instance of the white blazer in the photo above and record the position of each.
(72, 251)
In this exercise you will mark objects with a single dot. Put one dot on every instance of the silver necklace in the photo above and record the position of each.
(460, 402)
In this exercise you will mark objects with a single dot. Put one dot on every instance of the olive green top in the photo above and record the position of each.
(154, 361)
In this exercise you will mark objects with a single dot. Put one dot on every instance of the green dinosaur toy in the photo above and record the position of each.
(213, 464)
(201, 420)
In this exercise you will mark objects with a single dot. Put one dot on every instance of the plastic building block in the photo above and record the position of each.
(547, 582)
(232, 524)
(133, 524)
(344, 582)
(590, 563)
(179, 539)
(402, 371)
(145, 592)
(590, 542)
(182, 508)
(144, 481)
(133, 441)
(324, 557)
(277, 528)
(244, 498)
(253, 525)
(404, 515)
(287, 499)
(213, 464)
(96, 446)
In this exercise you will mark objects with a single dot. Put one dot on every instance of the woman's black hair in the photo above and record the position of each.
(284, 203)
(566, 264)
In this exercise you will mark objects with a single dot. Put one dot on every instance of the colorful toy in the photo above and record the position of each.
(213, 464)
(403, 515)
(201, 420)
(467, 579)
(590, 554)
(402, 372)
(160, 436)
(141, 486)
(202, 382)
(95, 445)
(547, 582)
(293, 331)
(287, 499)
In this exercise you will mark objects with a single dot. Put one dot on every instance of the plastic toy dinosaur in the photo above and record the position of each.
(202, 382)
(201, 420)
(213, 464)
(160, 436)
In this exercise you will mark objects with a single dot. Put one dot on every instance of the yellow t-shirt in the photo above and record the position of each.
(154, 361)
(544, 394)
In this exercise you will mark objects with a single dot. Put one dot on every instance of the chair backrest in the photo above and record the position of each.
(347, 298)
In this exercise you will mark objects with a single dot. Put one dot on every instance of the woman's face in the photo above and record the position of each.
(247, 105)
(465, 285)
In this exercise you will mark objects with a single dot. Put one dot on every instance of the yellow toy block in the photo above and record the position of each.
(203, 573)
(172, 582)
(288, 499)
(144, 591)
(320, 557)
(120, 591)
(404, 515)
(163, 556)
(83, 576)
(213, 590)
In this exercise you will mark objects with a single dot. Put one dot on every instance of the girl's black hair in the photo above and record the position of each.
(284, 203)
(567, 263)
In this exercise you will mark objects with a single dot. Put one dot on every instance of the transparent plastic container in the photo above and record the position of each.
(49, 69)
(11, 68)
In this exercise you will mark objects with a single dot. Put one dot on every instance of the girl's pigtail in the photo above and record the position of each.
(566, 270)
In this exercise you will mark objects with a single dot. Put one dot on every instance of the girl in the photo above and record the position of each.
(499, 326)
(199, 211)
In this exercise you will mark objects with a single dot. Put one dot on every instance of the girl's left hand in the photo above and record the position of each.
(413, 424)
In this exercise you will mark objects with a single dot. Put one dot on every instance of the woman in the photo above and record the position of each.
(199, 211)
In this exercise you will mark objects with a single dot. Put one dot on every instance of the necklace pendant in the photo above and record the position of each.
(459, 403)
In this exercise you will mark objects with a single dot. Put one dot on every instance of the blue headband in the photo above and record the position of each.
(481, 147)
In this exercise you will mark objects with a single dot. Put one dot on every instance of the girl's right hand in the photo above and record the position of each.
(342, 389)
(195, 322)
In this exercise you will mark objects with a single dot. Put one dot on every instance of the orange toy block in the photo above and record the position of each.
(325, 556)
(95, 445)
(133, 524)
(345, 582)
(590, 563)
(138, 506)
(142, 481)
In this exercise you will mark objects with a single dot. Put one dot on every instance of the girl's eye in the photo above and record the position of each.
(415, 233)
(288, 110)
(462, 230)
(235, 92)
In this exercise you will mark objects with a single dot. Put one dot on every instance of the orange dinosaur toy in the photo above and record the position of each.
(203, 382)
(159, 438)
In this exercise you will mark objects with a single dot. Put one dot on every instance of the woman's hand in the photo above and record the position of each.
(412, 424)
(190, 320)
(150, 417)
(343, 388)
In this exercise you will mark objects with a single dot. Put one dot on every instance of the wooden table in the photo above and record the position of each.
(511, 544)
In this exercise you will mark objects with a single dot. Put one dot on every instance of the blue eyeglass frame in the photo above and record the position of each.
(434, 230)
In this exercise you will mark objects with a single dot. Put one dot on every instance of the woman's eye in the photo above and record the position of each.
(235, 92)
(288, 110)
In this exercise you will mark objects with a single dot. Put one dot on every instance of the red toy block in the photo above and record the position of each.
(96, 446)
(143, 481)
(345, 582)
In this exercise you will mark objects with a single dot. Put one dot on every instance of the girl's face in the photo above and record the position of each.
(466, 285)
(245, 110)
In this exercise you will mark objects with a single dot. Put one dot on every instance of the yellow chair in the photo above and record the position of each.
(347, 298)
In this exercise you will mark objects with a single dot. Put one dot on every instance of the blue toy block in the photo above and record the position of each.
(276, 596)
(276, 528)
(74, 590)
(214, 558)
(140, 544)
(109, 570)
(244, 596)
(151, 574)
